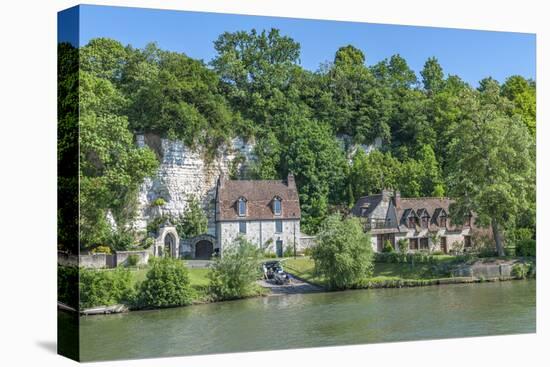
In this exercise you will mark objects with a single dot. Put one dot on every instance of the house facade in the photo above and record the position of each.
(423, 223)
(265, 212)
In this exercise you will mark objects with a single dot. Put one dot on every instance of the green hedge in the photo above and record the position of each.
(395, 257)
(105, 287)
(527, 247)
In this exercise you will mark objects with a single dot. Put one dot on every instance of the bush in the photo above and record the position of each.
(101, 250)
(526, 247)
(105, 287)
(520, 271)
(159, 202)
(308, 251)
(67, 285)
(388, 248)
(132, 260)
(233, 275)
(149, 241)
(343, 254)
(269, 255)
(403, 246)
(410, 258)
(121, 240)
(289, 251)
(166, 284)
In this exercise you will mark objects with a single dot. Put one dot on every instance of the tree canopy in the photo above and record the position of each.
(344, 130)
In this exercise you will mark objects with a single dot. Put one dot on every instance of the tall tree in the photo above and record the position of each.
(522, 93)
(491, 166)
(432, 76)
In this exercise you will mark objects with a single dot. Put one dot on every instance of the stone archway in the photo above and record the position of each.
(167, 242)
(203, 246)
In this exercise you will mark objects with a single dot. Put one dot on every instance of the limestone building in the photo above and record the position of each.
(265, 212)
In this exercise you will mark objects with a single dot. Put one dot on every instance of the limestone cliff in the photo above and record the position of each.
(184, 172)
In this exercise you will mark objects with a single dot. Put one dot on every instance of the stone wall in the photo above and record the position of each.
(96, 261)
(261, 233)
(184, 172)
(122, 257)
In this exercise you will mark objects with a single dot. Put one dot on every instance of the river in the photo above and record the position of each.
(313, 320)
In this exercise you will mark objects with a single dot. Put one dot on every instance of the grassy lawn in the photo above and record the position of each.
(303, 267)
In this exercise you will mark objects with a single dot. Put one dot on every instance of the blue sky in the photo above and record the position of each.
(470, 54)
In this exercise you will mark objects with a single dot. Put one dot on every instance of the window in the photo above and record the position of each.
(277, 206)
(443, 222)
(424, 244)
(413, 243)
(467, 241)
(278, 226)
(411, 222)
(242, 227)
(242, 207)
(424, 222)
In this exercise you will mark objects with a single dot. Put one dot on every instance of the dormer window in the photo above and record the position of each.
(277, 207)
(443, 221)
(241, 207)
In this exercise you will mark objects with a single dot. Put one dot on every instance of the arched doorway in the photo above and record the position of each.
(204, 249)
(169, 245)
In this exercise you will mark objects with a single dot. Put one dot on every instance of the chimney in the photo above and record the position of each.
(290, 180)
(397, 198)
(221, 180)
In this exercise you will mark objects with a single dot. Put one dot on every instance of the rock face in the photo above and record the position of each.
(184, 173)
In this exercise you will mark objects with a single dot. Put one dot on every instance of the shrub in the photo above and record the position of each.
(343, 254)
(102, 250)
(149, 241)
(133, 260)
(308, 251)
(233, 275)
(526, 247)
(67, 285)
(159, 202)
(269, 255)
(289, 251)
(105, 287)
(388, 248)
(166, 284)
(520, 271)
(121, 240)
(403, 245)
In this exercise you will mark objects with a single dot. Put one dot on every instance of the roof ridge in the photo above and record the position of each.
(427, 197)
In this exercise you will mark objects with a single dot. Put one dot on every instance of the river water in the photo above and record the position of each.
(313, 320)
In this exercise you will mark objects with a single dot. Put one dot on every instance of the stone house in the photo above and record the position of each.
(423, 222)
(265, 212)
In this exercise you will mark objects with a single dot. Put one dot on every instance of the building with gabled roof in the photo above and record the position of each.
(265, 212)
(388, 216)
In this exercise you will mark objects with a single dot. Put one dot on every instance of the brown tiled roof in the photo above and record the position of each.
(259, 195)
(433, 206)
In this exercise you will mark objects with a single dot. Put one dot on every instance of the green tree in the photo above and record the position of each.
(193, 221)
(370, 174)
(317, 161)
(522, 93)
(111, 166)
(343, 254)
(432, 76)
(491, 166)
(166, 284)
(233, 275)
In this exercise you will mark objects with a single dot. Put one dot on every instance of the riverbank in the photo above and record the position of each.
(440, 270)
